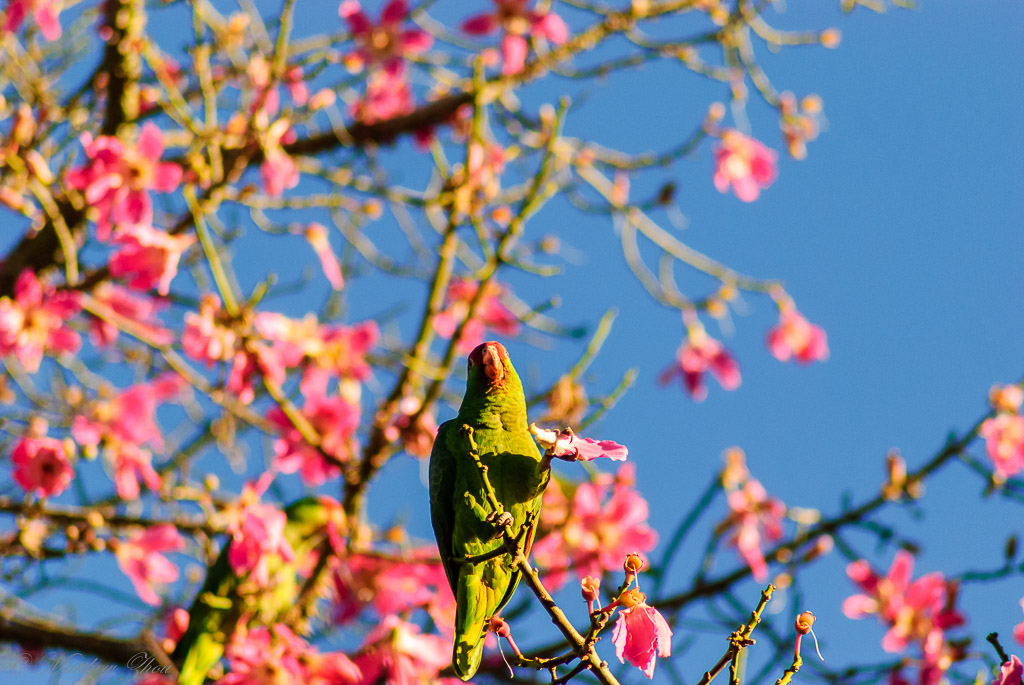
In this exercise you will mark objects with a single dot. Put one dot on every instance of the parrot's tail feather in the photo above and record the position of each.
(203, 656)
(466, 656)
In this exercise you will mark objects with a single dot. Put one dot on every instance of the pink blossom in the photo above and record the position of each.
(335, 421)
(274, 654)
(699, 354)
(384, 43)
(490, 312)
(416, 436)
(1010, 673)
(296, 85)
(795, 338)
(149, 258)
(641, 633)
(396, 652)
(517, 21)
(392, 586)
(257, 532)
(130, 417)
(206, 337)
(141, 310)
(755, 518)
(316, 234)
(745, 163)
(42, 465)
(591, 533)
(1004, 442)
(117, 179)
(565, 444)
(278, 169)
(338, 351)
(912, 610)
(262, 655)
(34, 321)
(45, 12)
(257, 358)
(387, 96)
(140, 559)
(1006, 398)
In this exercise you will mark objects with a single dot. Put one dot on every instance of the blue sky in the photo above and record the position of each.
(900, 234)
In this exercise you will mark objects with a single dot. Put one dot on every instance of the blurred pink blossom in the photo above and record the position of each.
(745, 163)
(796, 338)
(33, 322)
(755, 519)
(140, 559)
(46, 13)
(335, 421)
(699, 354)
(489, 313)
(141, 310)
(316, 234)
(42, 465)
(278, 170)
(117, 179)
(517, 22)
(387, 96)
(912, 610)
(1004, 442)
(149, 257)
(384, 43)
(257, 532)
(397, 652)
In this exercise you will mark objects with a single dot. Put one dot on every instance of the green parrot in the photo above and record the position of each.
(493, 415)
(225, 598)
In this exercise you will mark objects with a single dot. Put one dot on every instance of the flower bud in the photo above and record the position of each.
(633, 564)
(591, 588)
(804, 623)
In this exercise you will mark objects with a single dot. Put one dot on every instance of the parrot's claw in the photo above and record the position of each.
(500, 520)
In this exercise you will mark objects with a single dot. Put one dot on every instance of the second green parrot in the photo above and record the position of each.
(225, 598)
(493, 415)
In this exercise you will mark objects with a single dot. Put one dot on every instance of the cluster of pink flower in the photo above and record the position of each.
(33, 321)
(393, 585)
(1004, 432)
(916, 612)
(383, 48)
(116, 182)
(125, 426)
(589, 527)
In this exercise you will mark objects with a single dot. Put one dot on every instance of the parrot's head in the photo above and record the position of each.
(489, 365)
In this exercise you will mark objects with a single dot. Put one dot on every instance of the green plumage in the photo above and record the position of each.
(224, 597)
(495, 410)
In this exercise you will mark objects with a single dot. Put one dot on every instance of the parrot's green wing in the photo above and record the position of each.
(218, 607)
(442, 487)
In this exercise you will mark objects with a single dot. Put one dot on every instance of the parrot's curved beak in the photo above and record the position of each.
(493, 368)
(491, 357)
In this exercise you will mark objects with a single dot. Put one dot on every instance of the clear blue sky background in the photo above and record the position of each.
(900, 235)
